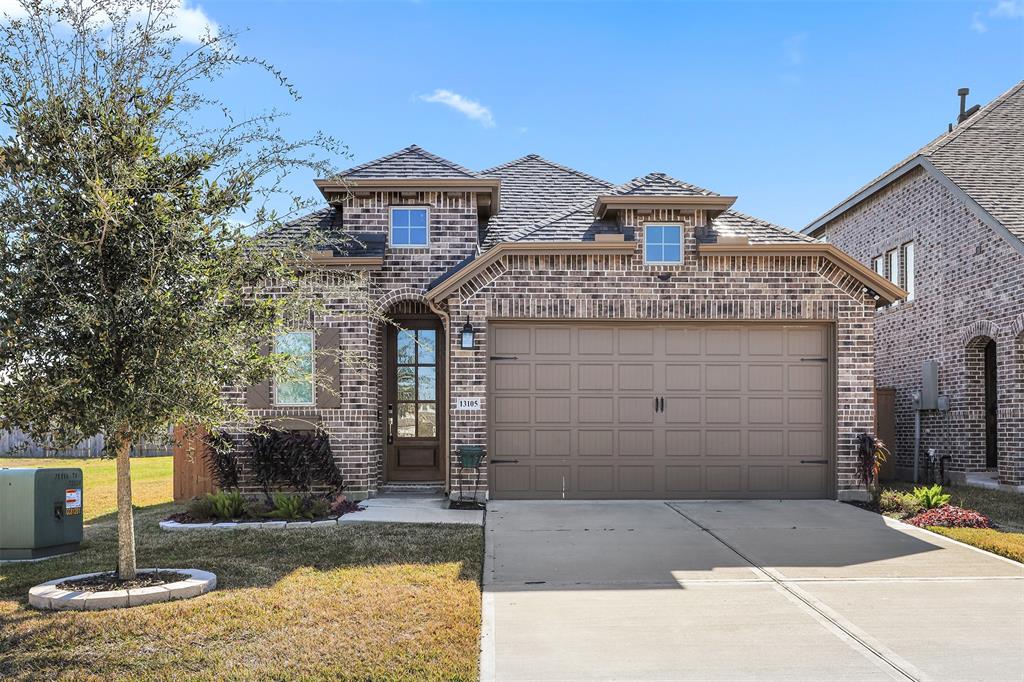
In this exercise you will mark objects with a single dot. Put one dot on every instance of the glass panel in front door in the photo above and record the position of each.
(416, 383)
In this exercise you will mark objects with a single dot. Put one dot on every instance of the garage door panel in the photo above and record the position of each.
(553, 410)
(596, 377)
(723, 377)
(634, 377)
(596, 442)
(553, 377)
(636, 443)
(636, 410)
(741, 408)
(553, 442)
(683, 443)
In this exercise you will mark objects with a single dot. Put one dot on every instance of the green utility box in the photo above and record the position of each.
(40, 512)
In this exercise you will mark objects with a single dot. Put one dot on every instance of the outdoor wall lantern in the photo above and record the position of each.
(467, 336)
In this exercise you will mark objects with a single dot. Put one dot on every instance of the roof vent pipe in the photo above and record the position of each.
(965, 113)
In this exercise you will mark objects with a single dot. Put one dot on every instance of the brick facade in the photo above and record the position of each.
(969, 288)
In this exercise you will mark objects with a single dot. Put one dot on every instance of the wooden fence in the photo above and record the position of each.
(885, 428)
(191, 474)
(17, 444)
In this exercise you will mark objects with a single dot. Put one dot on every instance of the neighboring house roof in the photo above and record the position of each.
(982, 159)
(411, 162)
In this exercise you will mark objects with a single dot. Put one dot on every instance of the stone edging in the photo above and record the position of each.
(249, 525)
(49, 596)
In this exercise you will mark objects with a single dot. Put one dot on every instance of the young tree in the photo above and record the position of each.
(126, 276)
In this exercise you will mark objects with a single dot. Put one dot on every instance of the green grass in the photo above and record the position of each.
(358, 602)
(1009, 545)
(151, 481)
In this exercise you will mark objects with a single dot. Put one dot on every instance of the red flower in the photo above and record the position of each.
(951, 517)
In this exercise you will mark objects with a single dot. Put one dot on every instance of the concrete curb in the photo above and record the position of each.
(48, 596)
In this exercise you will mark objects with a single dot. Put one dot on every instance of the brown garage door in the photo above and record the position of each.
(667, 411)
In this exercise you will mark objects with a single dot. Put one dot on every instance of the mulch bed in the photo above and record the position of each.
(106, 582)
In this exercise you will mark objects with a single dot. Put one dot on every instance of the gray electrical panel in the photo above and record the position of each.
(929, 385)
(40, 512)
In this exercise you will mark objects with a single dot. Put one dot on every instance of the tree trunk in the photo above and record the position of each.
(125, 520)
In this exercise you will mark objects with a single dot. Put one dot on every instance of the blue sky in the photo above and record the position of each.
(790, 106)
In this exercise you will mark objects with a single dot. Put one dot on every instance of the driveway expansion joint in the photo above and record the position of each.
(901, 668)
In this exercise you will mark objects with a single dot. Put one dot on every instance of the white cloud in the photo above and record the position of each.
(793, 49)
(1004, 9)
(1010, 9)
(465, 106)
(190, 22)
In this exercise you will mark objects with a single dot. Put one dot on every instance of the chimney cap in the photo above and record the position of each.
(963, 92)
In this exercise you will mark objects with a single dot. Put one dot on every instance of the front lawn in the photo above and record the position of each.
(363, 601)
(151, 481)
(1009, 545)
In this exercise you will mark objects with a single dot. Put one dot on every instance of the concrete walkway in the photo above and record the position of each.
(412, 509)
(802, 590)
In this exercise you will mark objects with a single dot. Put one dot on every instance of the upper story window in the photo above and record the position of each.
(409, 227)
(879, 265)
(663, 244)
(908, 269)
(295, 386)
(894, 266)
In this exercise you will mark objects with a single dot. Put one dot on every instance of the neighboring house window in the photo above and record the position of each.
(894, 266)
(879, 265)
(908, 269)
(663, 244)
(295, 386)
(408, 227)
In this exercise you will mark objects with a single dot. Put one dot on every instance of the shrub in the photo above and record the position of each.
(342, 505)
(931, 496)
(222, 459)
(288, 506)
(201, 508)
(296, 459)
(950, 516)
(900, 504)
(227, 505)
(871, 453)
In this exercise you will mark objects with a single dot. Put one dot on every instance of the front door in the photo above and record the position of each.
(415, 380)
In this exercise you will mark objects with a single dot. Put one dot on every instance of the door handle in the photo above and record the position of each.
(814, 461)
(661, 404)
(504, 461)
(391, 425)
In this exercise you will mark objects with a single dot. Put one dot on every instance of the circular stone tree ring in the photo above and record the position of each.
(50, 597)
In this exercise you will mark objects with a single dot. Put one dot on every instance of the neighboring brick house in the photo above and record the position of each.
(948, 225)
(627, 341)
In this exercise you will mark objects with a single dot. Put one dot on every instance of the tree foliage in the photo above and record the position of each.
(131, 202)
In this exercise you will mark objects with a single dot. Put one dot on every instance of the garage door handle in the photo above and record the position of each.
(504, 357)
(813, 359)
(504, 461)
(814, 461)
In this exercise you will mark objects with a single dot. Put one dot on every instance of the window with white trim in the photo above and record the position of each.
(908, 269)
(409, 227)
(894, 266)
(295, 385)
(879, 265)
(663, 244)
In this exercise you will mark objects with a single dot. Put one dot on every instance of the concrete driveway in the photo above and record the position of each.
(807, 590)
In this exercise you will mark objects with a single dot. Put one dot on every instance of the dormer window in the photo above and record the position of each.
(663, 244)
(409, 227)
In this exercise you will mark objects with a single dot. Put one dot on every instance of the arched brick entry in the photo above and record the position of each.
(980, 397)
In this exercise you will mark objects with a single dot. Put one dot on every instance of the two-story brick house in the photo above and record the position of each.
(640, 340)
(947, 224)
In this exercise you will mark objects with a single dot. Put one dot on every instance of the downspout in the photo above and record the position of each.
(445, 439)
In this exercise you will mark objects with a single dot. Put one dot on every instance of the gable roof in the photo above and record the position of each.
(410, 162)
(982, 159)
(533, 188)
(660, 184)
